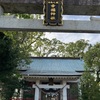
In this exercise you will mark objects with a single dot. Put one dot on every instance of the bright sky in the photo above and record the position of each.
(72, 37)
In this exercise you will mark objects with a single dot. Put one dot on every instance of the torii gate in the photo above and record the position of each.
(72, 7)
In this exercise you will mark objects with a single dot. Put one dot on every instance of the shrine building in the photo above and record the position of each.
(52, 78)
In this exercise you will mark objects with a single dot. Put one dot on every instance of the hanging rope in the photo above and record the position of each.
(40, 89)
(58, 91)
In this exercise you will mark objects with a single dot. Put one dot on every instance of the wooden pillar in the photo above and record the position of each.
(37, 91)
(64, 91)
(1, 11)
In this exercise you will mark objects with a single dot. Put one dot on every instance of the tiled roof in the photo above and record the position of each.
(55, 66)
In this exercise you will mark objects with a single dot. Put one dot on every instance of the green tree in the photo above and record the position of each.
(90, 82)
(46, 48)
(9, 58)
(90, 89)
(9, 54)
(77, 49)
(92, 60)
(26, 41)
(9, 84)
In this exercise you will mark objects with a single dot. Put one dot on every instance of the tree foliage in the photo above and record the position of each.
(78, 48)
(90, 89)
(9, 54)
(92, 59)
(90, 81)
(9, 84)
(46, 48)
(9, 58)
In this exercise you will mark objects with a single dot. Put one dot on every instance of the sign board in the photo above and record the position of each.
(53, 10)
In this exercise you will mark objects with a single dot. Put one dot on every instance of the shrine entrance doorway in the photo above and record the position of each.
(50, 94)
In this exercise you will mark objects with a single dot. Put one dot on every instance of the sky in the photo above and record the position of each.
(72, 37)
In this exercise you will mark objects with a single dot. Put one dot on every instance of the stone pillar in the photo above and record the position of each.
(37, 91)
(64, 91)
(1, 11)
(21, 94)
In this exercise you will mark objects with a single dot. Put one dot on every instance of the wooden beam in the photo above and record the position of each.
(71, 7)
(14, 24)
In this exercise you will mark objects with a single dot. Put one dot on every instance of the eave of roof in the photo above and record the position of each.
(55, 77)
(74, 58)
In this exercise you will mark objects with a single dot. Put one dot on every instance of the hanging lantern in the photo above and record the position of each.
(53, 10)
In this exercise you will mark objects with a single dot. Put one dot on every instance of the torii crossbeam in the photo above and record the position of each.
(14, 24)
(71, 7)
(9, 23)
